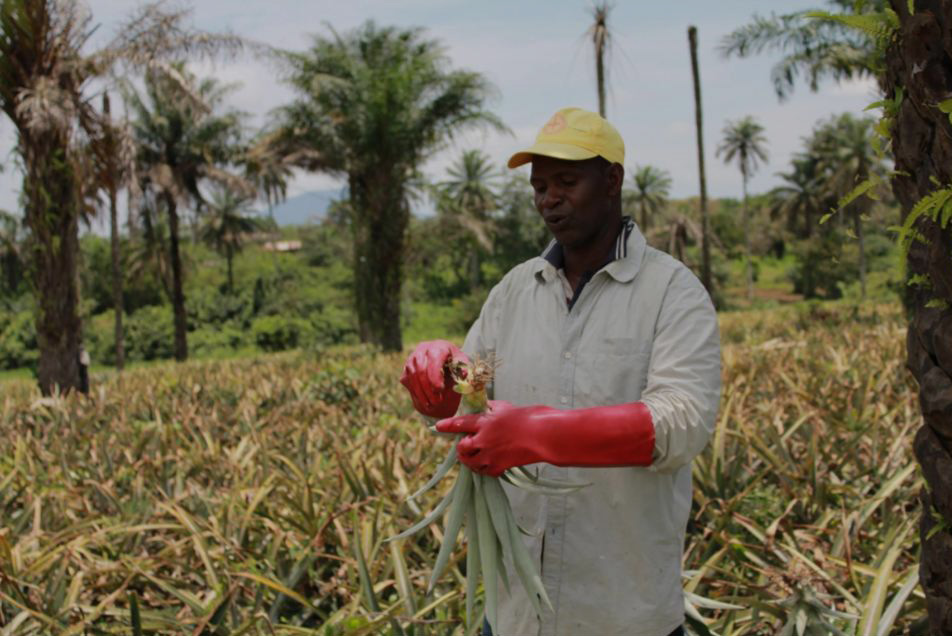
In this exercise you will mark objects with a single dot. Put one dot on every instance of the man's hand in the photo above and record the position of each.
(427, 378)
(507, 436)
(496, 440)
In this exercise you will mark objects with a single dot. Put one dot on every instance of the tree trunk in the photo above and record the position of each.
(229, 257)
(600, 80)
(474, 269)
(52, 215)
(178, 295)
(644, 217)
(380, 225)
(111, 189)
(858, 229)
(116, 277)
(920, 62)
(705, 232)
(748, 270)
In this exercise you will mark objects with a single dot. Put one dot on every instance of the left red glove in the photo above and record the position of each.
(507, 436)
(427, 377)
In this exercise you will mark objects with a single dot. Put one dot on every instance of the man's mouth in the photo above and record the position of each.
(556, 221)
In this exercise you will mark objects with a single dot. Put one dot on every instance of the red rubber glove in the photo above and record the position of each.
(619, 435)
(427, 378)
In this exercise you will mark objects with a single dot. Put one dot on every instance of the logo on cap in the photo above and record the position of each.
(555, 124)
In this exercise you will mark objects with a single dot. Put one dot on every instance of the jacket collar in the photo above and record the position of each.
(623, 264)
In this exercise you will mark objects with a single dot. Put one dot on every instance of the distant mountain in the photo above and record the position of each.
(304, 209)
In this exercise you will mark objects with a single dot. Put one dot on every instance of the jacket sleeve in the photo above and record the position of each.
(684, 376)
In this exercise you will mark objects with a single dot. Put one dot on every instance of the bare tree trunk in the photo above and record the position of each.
(748, 269)
(178, 295)
(52, 214)
(229, 256)
(600, 79)
(116, 277)
(858, 229)
(473, 269)
(920, 63)
(111, 187)
(644, 217)
(705, 237)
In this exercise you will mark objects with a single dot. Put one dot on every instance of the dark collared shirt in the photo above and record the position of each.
(554, 254)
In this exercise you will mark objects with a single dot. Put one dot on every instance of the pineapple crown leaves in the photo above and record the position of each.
(474, 377)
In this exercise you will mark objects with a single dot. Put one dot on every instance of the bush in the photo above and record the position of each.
(820, 267)
(427, 321)
(99, 337)
(466, 310)
(278, 333)
(150, 334)
(209, 340)
(333, 325)
(18, 346)
(210, 306)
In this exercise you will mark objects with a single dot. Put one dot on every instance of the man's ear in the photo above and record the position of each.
(616, 179)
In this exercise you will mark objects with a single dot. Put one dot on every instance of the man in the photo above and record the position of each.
(608, 374)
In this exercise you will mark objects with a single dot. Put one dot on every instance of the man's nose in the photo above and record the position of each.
(551, 199)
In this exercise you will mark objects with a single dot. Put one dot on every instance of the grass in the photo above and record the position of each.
(253, 495)
(15, 374)
(426, 321)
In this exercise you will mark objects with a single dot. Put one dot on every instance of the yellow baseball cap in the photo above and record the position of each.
(574, 134)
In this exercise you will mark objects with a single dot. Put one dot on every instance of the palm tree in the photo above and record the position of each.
(519, 235)
(225, 226)
(651, 191)
(802, 195)
(815, 49)
(181, 143)
(845, 151)
(601, 42)
(706, 277)
(269, 169)
(44, 79)
(923, 158)
(466, 200)
(41, 87)
(372, 105)
(743, 142)
(148, 253)
(112, 151)
(470, 185)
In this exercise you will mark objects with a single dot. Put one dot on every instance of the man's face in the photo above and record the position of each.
(574, 197)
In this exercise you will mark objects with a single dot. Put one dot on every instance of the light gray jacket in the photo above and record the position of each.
(642, 329)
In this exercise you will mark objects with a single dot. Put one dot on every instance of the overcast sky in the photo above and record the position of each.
(535, 54)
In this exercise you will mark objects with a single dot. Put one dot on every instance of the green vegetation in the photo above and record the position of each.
(372, 105)
(249, 491)
(812, 49)
(257, 493)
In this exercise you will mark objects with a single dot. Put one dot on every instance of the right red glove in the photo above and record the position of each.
(507, 436)
(427, 378)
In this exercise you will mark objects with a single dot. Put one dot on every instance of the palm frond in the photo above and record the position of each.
(811, 49)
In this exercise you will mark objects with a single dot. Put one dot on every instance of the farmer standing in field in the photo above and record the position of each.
(609, 374)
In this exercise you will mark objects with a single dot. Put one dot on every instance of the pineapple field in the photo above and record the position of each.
(255, 495)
